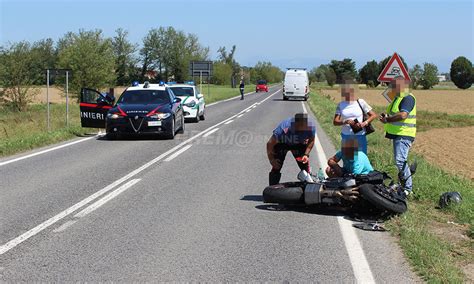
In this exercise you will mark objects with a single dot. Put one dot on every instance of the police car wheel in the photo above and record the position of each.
(170, 134)
(181, 129)
(202, 117)
(111, 136)
(196, 119)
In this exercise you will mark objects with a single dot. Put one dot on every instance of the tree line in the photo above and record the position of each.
(97, 61)
(426, 76)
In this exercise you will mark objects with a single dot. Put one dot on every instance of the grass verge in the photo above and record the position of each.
(20, 131)
(435, 257)
(218, 93)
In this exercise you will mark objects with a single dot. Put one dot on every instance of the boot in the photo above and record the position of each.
(274, 178)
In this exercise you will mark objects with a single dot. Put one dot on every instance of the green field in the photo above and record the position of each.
(21, 131)
(434, 258)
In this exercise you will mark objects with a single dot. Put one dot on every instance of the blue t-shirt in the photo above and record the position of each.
(285, 132)
(359, 165)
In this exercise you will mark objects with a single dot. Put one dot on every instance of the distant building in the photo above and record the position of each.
(442, 78)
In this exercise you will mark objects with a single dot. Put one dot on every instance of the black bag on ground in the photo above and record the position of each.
(374, 177)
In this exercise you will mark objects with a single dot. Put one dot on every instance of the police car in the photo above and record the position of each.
(141, 109)
(191, 99)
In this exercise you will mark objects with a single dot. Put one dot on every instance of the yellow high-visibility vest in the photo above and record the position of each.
(406, 127)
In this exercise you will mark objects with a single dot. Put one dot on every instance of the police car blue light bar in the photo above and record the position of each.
(135, 83)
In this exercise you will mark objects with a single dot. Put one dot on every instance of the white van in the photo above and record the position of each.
(296, 84)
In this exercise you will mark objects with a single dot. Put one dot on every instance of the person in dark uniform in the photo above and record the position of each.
(242, 88)
(295, 134)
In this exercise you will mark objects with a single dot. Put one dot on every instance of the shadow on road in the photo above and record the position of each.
(352, 214)
(132, 137)
(289, 100)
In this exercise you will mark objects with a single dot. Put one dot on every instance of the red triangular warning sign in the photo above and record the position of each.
(393, 69)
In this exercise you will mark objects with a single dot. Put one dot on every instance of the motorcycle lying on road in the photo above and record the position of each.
(376, 190)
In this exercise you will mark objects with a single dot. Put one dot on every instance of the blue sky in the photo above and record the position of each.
(287, 33)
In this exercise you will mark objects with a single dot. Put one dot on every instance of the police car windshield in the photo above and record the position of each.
(183, 91)
(144, 97)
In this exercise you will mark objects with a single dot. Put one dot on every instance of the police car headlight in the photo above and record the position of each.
(113, 116)
(162, 115)
(191, 104)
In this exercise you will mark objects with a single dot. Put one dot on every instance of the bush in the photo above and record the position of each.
(462, 73)
(91, 58)
(369, 74)
(222, 73)
(15, 67)
(331, 77)
(430, 76)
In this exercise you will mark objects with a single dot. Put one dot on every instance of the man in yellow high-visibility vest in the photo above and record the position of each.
(400, 127)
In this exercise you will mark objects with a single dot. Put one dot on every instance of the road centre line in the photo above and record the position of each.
(64, 226)
(359, 263)
(240, 115)
(210, 132)
(228, 121)
(34, 231)
(106, 198)
(177, 153)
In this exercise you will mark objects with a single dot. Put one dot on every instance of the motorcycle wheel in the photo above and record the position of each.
(380, 199)
(284, 193)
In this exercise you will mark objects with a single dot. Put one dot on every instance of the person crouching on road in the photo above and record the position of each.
(350, 113)
(354, 161)
(400, 127)
(242, 89)
(295, 134)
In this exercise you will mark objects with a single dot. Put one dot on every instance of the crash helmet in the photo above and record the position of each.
(448, 198)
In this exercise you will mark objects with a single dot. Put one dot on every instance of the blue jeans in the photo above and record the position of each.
(361, 141)
(401, 148)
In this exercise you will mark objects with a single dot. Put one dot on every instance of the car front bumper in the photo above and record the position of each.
(141, 125)
(190, 112)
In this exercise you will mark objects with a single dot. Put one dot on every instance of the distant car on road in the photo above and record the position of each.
(141, 109)
(296, 84)
(191, 99)
(261, 86)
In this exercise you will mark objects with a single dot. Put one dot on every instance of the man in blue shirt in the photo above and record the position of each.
(353, 161)
(295, 134)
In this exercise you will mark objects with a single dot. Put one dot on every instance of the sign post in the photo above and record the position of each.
(200, 68)
(394, 68)
(57, 72)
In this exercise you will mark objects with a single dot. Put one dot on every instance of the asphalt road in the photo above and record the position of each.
(182, 210)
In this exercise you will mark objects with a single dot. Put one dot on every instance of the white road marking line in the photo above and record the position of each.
(248, 110)
(32, 232)
(304, 107)
(240, 115)
(177, 153)
(210, 132)
(46, 151)
(230, 121)
(106, 198)
(64, 226)
(359, 262)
